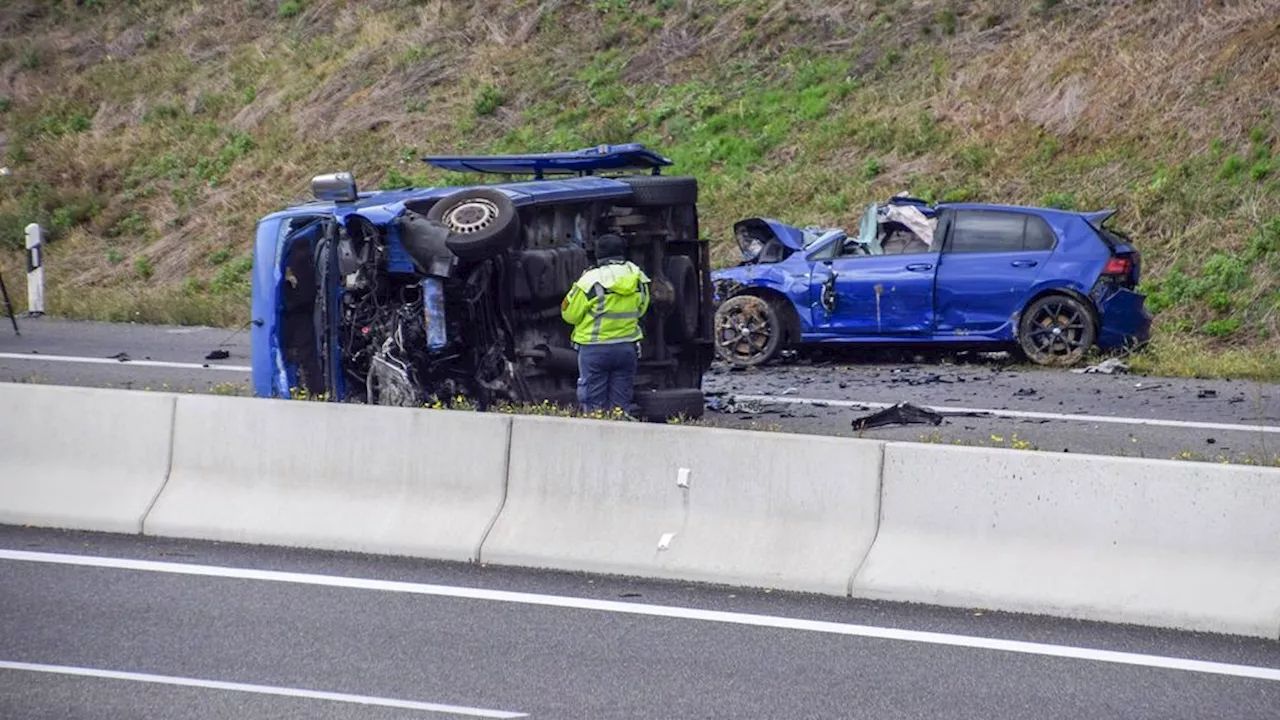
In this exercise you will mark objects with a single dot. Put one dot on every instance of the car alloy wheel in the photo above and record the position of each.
(748, 330)
(1057, 330)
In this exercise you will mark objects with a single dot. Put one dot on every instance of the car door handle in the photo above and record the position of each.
(920, 267)
(1024, 263)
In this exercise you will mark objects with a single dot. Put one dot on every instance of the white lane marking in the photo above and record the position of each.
(1021, 414)
(124, 363)
(664, 611)
(259, 689)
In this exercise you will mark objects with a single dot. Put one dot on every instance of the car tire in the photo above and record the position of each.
(682, 325)
(757, 329)
(660, 190)
(1056, 331)
(662, 405)
(482, 222)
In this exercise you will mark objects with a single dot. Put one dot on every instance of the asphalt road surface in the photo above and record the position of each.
(1033, 409)
(119, 627)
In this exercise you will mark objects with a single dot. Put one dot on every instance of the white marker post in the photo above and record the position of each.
(35, 270)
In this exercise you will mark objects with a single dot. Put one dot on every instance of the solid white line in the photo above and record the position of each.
(259, 689)
(124, 363)
(1021, 414)
(717, 616)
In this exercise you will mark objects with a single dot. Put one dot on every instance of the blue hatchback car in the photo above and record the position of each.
(1050, 283)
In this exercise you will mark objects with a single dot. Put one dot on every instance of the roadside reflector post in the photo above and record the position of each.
(35, 270)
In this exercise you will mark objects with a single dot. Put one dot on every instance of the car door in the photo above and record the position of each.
(875, 295)
(990, 260)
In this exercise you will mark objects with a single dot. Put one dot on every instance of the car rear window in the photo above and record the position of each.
(986, 231)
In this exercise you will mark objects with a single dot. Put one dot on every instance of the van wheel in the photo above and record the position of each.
(482, 222)
(660, 190)
(682, 325)
(749, 331)
(1056, 330)
(660, 405)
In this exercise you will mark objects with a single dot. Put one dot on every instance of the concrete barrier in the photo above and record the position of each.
(81, 458)
(341, 477)
(761, 509)
(1164, 543)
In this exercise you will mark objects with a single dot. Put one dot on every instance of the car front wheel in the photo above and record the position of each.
(749, 331)
(1056, 330)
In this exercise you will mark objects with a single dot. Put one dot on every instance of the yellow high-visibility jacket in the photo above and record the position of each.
(606, 304)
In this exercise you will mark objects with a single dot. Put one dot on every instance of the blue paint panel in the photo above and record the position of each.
(886, 295)
(981, 292)
(1125, 319)
(631, 156)
(265, 284)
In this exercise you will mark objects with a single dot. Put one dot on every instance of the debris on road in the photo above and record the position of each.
(1024, 392)
(1206, 394)
(122, 357)
(900, 414)
(217, 355)
(1110, 366)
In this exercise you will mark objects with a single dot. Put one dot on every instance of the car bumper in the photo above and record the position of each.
(1125, 320)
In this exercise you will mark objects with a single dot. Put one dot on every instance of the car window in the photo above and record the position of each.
(978, 231)
(1039, 235)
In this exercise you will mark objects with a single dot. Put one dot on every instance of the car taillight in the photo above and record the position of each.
(1118, 266)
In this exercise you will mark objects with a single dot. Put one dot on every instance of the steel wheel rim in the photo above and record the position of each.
(471, 216)
(743, 333)
(1058, 330)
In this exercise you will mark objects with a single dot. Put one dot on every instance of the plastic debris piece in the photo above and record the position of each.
(900, 414)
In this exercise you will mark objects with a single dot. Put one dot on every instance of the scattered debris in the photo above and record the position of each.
(900, 414)
(122, 357)
(1110, 366)
(1206, 394)
(1211, 441)
(1024, 392)
(1236, 399)
(790, 391)
(217, 355)
(1142, 386)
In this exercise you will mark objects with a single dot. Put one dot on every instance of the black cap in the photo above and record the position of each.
(611, 247)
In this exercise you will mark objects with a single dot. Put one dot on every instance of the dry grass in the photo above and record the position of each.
(150, 137)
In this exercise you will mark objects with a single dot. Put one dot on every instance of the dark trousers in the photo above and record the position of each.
(606, 376)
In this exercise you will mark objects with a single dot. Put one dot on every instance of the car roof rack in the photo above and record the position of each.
(588, 161)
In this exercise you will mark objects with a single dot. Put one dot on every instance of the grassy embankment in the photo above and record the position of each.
(148, 136)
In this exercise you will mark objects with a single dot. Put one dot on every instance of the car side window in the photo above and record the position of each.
(1039, 235)
(986, 231)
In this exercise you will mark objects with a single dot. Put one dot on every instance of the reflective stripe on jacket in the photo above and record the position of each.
(606, 304)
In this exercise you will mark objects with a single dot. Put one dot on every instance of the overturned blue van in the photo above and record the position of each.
(396, 297)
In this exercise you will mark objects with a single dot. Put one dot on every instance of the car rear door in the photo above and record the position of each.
(990, 260)
(876, 295)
